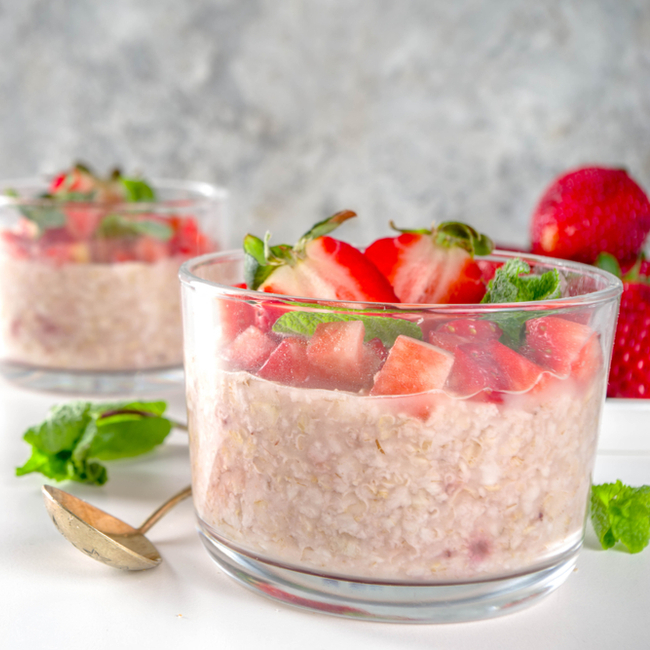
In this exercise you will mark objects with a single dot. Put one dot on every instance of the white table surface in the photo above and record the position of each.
(52, 596)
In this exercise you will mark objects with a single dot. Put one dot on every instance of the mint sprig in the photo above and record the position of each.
(621, 513)
(384, 328)
(137, 190)
(513, 282)
(118, 226)
(74, 436)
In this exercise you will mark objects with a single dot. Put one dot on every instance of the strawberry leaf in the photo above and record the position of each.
(384, 328)
(323, 228)
(453, 233)
(608, 262)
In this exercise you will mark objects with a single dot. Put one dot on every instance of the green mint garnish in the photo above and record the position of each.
(513, 283)
(621, 513)
(137, 190)
(67, 444)
(117, 225)
(384, 328)
(44, 217)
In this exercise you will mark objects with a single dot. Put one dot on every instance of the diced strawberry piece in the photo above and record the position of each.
(188, 240)
(557, 343)
(491, 366)
(337, 356)
(82, 222)
(234, 317)
(250, 350)
(450, 334)
(412, 366)
(151, 249)
(288, 363)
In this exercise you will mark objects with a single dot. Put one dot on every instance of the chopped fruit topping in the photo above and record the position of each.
(235, 316)
(557, 344)
(288, 363)
(412, 366)
(250, 349)
(491, 366)
(338, 357)
(451, 334)
(433, 266)
(590, 210)
(316, 267)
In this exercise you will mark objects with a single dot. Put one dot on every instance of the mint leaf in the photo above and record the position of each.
(66, 445)
(621, 513)
(117, 225)
(137, 190)
(45, 217)
(384, 328)
(513, 282)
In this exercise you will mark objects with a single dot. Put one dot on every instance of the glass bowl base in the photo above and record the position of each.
(97, 383)
(388, 602)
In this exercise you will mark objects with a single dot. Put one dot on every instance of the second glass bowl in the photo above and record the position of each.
(89, 296)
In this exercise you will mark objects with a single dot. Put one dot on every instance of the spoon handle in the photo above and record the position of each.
(165, 508)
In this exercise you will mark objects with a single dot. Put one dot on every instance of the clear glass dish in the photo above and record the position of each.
(437, 475)
(89, 296)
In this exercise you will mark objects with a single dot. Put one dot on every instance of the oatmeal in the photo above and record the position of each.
(357, 486)
(86, 316)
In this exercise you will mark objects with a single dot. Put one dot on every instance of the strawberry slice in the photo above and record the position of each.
(412, 366)
(250, 349)
(433, 266)
(563, 346)
(491, 366)
(338, 358)
(318, 266)
(288, 363)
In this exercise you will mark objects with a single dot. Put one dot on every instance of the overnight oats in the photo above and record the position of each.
(89, 298)
(360, 453)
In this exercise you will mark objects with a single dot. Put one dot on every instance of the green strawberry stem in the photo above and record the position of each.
(454, 234)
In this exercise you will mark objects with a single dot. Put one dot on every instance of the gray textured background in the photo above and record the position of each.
(407, 110)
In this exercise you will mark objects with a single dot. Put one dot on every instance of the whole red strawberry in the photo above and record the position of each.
(590, 210)
(629, 374)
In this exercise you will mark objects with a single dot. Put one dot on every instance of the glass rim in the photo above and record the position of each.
(204, 193)
(612, 289)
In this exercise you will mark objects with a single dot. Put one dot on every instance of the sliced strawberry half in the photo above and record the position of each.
(250, 349)
(433, 266)
(318, 266)
(338, 358)
(412, 366)
(563, 346)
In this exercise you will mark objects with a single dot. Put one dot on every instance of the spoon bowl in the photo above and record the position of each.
(102, 536)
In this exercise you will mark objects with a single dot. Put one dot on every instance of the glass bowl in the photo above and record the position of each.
(395, 462)
(89, 296)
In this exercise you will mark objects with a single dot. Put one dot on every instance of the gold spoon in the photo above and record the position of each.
(103, 537)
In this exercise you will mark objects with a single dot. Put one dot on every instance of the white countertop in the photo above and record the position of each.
(54, 597)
